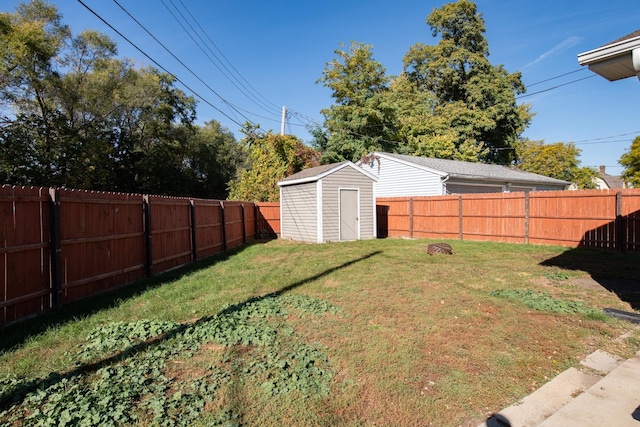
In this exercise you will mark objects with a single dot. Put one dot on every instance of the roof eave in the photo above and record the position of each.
(614, 61)
(315, 178)
(552, 181)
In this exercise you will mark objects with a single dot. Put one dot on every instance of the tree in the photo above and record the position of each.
(472, 102)
(213, 157)
(270, 158)
(557, 160)
(363, 118)
(75, 115)
(422, 131)
(631, 162)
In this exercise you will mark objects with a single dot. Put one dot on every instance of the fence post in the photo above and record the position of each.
(526, 217)
(255, 219)
(224, 227)
(411, 217)
(148, 261)
(55, 250)
(620, 243)
(194, 242)
(460, 216)
(244, 230)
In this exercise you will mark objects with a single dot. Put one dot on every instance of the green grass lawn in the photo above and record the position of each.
(351, 334)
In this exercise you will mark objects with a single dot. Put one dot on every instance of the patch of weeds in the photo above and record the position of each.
(119, 336)
(132, 386)
(544, 302)
(558, 275)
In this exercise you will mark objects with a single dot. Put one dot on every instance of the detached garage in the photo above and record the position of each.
(328, 203)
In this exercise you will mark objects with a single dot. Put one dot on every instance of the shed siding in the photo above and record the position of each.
(331, 184)
(299, 212)
(396, 179)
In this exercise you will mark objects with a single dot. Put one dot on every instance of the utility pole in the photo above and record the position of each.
(284, 120)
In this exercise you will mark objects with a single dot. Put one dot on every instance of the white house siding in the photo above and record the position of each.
(299, 212)
(347, 178)
(397, 179)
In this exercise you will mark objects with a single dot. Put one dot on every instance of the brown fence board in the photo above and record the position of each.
(268, 220)
(496, 217)
(250, 220)
(170, 232)
(208, 223)
(573, 218)
(397, 215)
(24, 248)
(436, 217)
(602, 219)
(61, 245)
(101, 242)
(233, 219)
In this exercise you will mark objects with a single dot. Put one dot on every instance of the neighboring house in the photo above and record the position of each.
(328, 203)
(605, 181)
(617, 60)
(402, 175)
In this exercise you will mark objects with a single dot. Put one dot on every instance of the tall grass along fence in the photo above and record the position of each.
(603, 219)
(60, 245)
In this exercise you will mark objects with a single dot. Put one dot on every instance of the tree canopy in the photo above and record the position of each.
(73, 114)
(269, 159)
(362, 118)
(631, 162)
(449, 101)
(557, 160)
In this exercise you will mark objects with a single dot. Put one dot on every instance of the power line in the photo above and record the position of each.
(158, 64)
(222, 54)
(557, 77)
(178, 59)
(555, 87)
(226, 73)
(607, 137)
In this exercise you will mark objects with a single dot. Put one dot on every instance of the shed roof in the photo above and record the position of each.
(477, 171)
(319, 172)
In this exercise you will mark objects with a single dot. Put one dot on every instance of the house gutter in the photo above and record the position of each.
(612, 52)
(444, 180)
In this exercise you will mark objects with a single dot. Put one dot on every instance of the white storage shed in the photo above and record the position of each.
(328, 203)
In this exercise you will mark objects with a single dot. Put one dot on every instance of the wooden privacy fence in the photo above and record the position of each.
(60, 245)
(605, 219)
(269, 219)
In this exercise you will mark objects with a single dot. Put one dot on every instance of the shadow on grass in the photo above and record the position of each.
(612, 271)
(18, 333)
(56, 377)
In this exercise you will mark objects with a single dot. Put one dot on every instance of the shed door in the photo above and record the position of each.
(349, 221)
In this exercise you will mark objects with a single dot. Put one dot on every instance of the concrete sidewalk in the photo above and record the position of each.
(605, 393)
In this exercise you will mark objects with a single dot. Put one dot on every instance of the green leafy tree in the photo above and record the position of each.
(213, 158)
(363, 117)
(75, 115)
(471, 103)
(270, 158)
(422, 131)
(631, 162)
(557, 160)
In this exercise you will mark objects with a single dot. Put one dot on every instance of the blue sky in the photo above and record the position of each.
(277, 50)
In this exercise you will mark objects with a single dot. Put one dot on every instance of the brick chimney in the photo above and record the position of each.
(602, 170)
